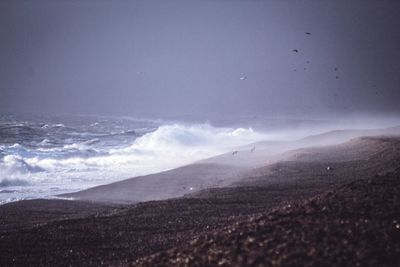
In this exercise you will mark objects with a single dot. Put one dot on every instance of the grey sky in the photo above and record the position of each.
(180, 58)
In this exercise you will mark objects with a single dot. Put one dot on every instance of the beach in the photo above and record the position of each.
(294, 204)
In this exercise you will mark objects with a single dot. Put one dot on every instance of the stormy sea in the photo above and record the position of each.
(43, 156)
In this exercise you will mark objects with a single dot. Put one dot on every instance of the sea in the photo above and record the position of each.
(44, 156)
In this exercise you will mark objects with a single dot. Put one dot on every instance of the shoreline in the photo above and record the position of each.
(84, 233)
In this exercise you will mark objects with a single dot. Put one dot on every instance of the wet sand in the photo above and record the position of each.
(288, 213)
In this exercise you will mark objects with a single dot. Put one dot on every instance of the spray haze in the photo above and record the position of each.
(180, 58)
(148, 86)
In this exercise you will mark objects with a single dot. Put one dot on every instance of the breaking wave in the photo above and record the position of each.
(71, 157)
(168, 146)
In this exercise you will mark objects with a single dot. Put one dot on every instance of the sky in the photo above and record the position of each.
(184, 58)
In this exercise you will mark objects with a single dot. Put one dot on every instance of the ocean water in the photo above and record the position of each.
(42, 156)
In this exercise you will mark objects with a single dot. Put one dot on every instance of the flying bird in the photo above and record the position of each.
(295, 50)
(308, 33)
(243, 78)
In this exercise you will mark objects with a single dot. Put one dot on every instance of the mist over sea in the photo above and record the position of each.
(42, 156)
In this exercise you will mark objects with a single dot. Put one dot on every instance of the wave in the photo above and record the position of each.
(203, 135)
(18, 164)
(90, 162)
(12, 182)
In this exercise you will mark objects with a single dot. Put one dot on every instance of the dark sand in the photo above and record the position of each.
(357, 224)
(351, 218)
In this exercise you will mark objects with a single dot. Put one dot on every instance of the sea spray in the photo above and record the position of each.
(40, 158)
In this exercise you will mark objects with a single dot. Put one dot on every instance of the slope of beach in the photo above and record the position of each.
(362, 183)
(356, 224)
(223, 170)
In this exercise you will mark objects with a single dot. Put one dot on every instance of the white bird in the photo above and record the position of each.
(243, 78)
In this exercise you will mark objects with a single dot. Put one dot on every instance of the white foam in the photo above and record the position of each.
(81, 165)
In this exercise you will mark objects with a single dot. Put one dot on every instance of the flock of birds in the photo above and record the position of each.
(308, 62)
(335, 69)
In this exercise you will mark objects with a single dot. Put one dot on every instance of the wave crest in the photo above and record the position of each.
(203, 135)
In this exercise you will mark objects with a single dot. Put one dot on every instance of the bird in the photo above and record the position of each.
(308, 33)
(337, 77)
(295, 50)
(234, 153)
(335, 68)
(243, 78)
(253, 148)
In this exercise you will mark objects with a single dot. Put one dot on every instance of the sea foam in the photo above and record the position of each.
(84, 159)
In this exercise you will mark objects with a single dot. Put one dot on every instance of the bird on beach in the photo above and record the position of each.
(234, 153)
(253, 149)
(295, 50)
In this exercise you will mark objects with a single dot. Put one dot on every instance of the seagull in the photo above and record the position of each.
(295, 50)
(243, 78)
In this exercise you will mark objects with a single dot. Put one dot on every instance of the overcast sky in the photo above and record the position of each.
(177, 58)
